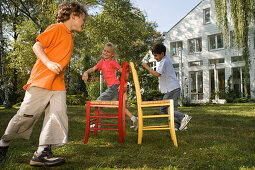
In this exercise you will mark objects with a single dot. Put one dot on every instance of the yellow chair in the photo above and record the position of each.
(142, 104)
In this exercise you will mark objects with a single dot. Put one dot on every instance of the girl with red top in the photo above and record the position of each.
(109, 67)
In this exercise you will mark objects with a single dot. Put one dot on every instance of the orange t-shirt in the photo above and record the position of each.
(57, 41)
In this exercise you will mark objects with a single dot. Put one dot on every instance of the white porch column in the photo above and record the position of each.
(181, 72)
(101, 82)
(196, 85)
(216, 82)
(252, 78)
(241, 81)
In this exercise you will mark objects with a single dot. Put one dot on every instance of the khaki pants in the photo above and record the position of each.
(55, 125)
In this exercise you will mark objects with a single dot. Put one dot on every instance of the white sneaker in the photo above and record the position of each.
(185, 129)
(93, 126)
(185, 121)
(135, 124)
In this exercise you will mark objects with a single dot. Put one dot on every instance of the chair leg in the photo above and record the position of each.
(87, 122)
(140, 125)
(120, 134)
(96, 121)
(120, 125)
(171, 123)
(124, 122)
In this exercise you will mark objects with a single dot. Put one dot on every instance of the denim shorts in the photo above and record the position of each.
(110, 94)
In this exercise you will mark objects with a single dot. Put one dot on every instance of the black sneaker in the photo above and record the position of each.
(3, 151)
(46, 158)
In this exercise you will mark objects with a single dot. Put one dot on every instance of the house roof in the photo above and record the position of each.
(184, 16)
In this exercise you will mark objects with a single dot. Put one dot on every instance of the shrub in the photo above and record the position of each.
(186, 101)
(76, 99)
(131, 101)
(152, 95)
(93, 89)
(241, 100)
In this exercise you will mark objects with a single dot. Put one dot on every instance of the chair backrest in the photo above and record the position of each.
(123, 84)
(137, 85)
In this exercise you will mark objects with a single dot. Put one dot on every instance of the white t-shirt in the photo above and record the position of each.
(167, 80)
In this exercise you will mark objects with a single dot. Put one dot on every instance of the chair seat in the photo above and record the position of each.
(102, 102)
(155, 103)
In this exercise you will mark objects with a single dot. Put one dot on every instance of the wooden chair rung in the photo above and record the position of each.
(114, 114)
(156, 116)
(103, 124)
(103, 129)
(106, 117)
(156, 126)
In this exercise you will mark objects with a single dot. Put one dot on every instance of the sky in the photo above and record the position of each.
(166, 13)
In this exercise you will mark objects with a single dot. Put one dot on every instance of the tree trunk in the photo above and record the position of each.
(246, 56)
(15, 71)
(6, 95)
(246, 69)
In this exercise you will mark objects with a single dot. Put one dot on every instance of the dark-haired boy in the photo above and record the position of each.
(168, 83)
(45, 89)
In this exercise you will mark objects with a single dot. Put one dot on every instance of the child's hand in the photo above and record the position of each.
(54, 67)
(85, 76)
(145, 65)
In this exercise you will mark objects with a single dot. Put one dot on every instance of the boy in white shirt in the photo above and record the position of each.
(168, 84)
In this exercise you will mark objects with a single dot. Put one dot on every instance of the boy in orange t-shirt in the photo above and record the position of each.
(45, 89)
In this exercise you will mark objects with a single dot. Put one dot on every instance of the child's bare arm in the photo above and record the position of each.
(39, 52)
(85, 74)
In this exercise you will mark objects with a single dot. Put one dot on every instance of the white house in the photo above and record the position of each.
(208, 65)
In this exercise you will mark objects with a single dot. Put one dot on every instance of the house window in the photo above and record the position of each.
(195, 45)
(217, 83)
(174, 46)
(196, 85)
(153, 65)
(207, 16)
(195, 63)
(236, 59)
(215, 41)
(176, 65)
(238, 81)
(216, 61)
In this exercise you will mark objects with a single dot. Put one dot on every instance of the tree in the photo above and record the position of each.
(243, 17)
(2, 53)
(118, 22)
(17, 14)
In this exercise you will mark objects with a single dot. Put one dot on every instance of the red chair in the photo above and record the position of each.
(98, 118)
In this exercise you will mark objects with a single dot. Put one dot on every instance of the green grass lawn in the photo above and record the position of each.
(218, 137)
